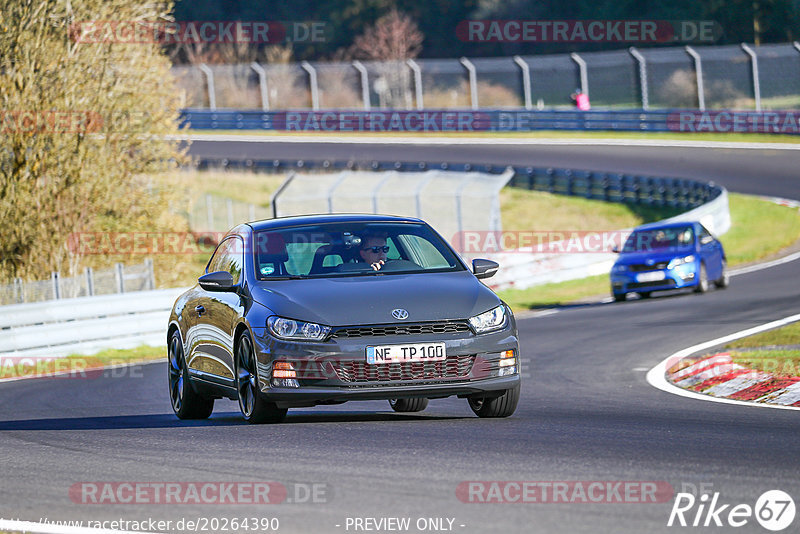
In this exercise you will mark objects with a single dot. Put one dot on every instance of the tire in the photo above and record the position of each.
(254, 408)
(408, 405)
(702, 282)
(186, 402)
(644, 294)
(501, 406)
(725, 279)
(619, 297)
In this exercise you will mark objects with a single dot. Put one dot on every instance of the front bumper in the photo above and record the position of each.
(676, 278)
(336, 370)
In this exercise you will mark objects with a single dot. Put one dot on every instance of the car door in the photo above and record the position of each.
(215, 316)
(710, 253)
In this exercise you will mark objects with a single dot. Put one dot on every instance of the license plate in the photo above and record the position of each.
(411, 352)
(650, 277)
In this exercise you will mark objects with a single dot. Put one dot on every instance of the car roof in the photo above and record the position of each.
(299, 220)
(662, 225)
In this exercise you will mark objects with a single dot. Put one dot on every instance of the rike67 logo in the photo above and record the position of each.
(774, 510)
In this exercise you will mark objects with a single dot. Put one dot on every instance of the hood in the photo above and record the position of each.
(355, 300)
(628, 258)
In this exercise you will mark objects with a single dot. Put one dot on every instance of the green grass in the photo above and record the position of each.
(787, 335)
(549, 295)
(76, 363)
(548, 134)
(777, 362)
(760, 228)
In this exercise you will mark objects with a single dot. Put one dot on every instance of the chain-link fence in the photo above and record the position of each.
(714, 77)
(211, 213)
(119, 279)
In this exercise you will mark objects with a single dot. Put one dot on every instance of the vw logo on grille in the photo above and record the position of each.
(400, 314)
(650, 261)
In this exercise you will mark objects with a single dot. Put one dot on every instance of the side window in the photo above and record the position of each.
(423, 252)
(229, 257)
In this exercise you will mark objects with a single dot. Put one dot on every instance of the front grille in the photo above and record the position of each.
(404, 329)
(639, 267)
(454, 367)
(658, 283)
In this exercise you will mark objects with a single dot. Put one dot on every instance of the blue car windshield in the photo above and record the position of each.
(351, 249)
(660, 239)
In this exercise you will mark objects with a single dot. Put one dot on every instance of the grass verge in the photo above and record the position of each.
(770, 353)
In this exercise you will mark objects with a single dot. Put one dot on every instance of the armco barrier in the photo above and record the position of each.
(86, 324)
(455, 120)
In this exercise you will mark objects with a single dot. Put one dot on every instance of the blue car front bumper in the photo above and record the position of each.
(678, 277)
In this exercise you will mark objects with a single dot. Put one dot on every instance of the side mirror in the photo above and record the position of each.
(217, 281)
(484, 268)
(706, 240)
(615, 249)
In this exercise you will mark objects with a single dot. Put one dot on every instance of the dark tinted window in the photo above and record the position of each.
(659, 239)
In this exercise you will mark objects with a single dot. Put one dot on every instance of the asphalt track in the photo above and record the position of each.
(586, 413)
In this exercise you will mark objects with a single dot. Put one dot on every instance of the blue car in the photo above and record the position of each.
(659, 257)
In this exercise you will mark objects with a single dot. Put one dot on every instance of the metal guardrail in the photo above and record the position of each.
(489, 120)
(86, 324)
(610, 187)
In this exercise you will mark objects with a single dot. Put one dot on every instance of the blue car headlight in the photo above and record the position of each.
(493, 319)
(680, 261)
(290, 329)
(619, 269)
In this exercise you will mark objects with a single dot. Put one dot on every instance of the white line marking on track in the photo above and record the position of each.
(364, 140)
(765, 265)
(656, 375)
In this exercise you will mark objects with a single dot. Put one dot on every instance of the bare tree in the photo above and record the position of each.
(394, 36)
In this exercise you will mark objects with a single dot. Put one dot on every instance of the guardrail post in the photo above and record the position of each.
(473, 82)
(754, 70)
(362, 70)
(698, 69)
(312, 82)
(89, 282)
(262, 84)
(417, 82)
(583, 72)
(119, 275)
(212, 93)
(526, 81)
(642, 76)
(56, 289)
(19, 290)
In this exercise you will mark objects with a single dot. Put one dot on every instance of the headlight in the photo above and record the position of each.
(283, 328)
(490, 320)
(619, 268)
(680, 261)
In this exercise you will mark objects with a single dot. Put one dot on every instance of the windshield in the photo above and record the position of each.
(351, 249)
(659, 239)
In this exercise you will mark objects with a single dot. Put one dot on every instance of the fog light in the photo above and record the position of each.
(687, 276)
(507, 358)
(285, 383)
(505, 371)
(283, 370)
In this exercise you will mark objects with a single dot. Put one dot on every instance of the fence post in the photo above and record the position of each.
(583, 73)
(19, 290)
(212, 93)
(473, 82)
(376, 191)
(526, 81)
(417, 82)
(252, 212)
(312, 82)
(698, 69)
(229, 203)
(262, 84)
(56, 289)
(89, 281)
(642, 76)
(754, 70)
(119, 276)
(274, 198)
(151, 274)
(362, 70)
